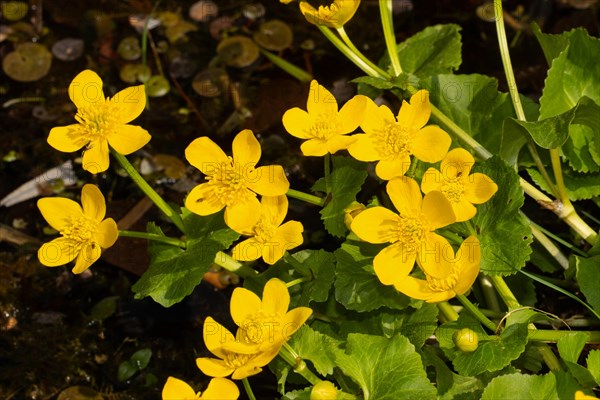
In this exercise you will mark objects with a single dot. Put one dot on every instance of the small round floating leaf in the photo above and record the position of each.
(203, 10)
(210, 82)
(219, 25)
(68, 49)
(238, 51)
(274, 35)
(14, 10)
(129, 48)
(28, 62)
(79, 393)
(157, 86)
(132, 73)
(254, 11)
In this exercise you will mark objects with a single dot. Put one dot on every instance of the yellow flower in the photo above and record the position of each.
(460, 188)
(451, 275)
(579, 395)
(232, 181)
(324, 127)
(84, 231)
(217, 389)
(269, 238)
(235, 357)
(392, 140)
(333, 16)
(102, 122)
(266, 323)
(410, 232)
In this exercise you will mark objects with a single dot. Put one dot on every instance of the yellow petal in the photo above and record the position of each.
(86, 89)
(244, 304)
(430, 144)
(95, 157)
(176, 389)
(242, 215)
(206, 155)
(394, 262)
(276, 297)
(314, 148)
(288, 236)
(58, 211)
(274, 208)
(266, 356)
(333, 16)
(441, 296)
(131, 102)
(393, 167)
(416, 114)
(246, 149)
(215, 336)
(88, 255)
(463, 210)
(107, 233)
(220, 389)
(375, 118)
(213, 367)
(298, 123)
(129, 138)
(352, 113)
(202, 200)
(373, 225)
(432, 180)
(58, 252)
(248, 250)
(246, 371)
(320, 100)
(468, 259)
(67, 138)
(414, 288)
(457, 162)
(579, 395)
(338, 142)
(405, 195)
(436, 256)
(293, 321)
(437, 210)
(269, 180)
(93, 202)
(479, 188)
(364, 148)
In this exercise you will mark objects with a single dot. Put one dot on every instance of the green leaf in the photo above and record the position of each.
(105, 308)
(589, 279)
(522, 387)
(524, 289)
(491, 355)
(450, 384)
(356, 285)
(571, 345)
(321, 266)
(298, 394)
(385, 369)
(552, 45)
(505, 236)
(315, 347)
(531, 359)
(174, 272)
(579, 186)
(141, 358)
(126, 370)
(593, 364)
(346, 180)
(434, 50)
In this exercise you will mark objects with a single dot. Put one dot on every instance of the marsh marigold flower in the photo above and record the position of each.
(101, 122)
(447, 277)
(334, 15)
(410, 233)
(235, 356)
(269, 239)
(579, 395)
(84, 230)
(232, 182)
(323, 126)
(266, 323)
(217, 389)
(392, 140)
(460, 188)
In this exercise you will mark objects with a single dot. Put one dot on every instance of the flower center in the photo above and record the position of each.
(407, 230)
(394, 139)
(229, 183)
(264, 230)
(443, 285)
(236, 360)
(326, 126)
(453, 189)
(99, 120)
(80, 229)
(261, 327)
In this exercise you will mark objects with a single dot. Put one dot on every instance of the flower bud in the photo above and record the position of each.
(352, 211)
(466, 340)
(323, 390)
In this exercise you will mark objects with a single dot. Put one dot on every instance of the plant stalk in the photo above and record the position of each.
(153, 237)
(308, 198)
(472, 308)
(387, 22)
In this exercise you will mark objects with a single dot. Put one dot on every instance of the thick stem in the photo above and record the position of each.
(540, 166)
(472, 308)
(387, 22)
(447, 311)
(298, 281)
(227, 262)
(539, 335)
(248, 389)
(558, 239)
(148, 190)
(489, 293)
(558, 176)
(153, 237)
(549, 246)
(342, 32)
(298, 364)
(288, 67)
(308, 198)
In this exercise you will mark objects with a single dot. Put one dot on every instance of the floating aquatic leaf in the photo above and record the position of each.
(132, 73)
(79, 393)
(219, 25)
(274, 35)
(68, 49)
(14, 10)
(210, 82)
(129, 48)
(28, 62)
(253, 11)
(157, 86)
(203, 10)
(238, 51)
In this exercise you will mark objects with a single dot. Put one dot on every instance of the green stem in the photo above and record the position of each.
(505, 293)
(558, 176)
(540, 166)
(472, 308)
(489, 293)
(342, 32)
(298, 281)
(298, 364)
(327, 171)
(248, 389)
(558, 239)
(288, 67)
(337, 42)
(447, 311)
(227, 262)
(147, 189)
(387, 22)
(153, 237)
(539, 335)
(309, 198)
(549, 246)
